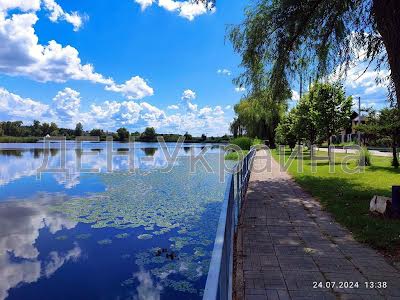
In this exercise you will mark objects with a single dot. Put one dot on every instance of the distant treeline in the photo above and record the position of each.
(17, 132)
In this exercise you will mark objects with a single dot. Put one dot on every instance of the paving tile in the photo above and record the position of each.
(290, 242)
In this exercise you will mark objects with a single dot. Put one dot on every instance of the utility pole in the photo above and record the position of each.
(359, 120)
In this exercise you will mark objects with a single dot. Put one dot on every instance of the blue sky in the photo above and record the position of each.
(131, 63)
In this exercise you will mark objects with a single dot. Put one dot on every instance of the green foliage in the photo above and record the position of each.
(257, 141)
(384, 126)
(286, 130)
(331, 109)
(259, 114)
(188, 137)
(79, 129)
(123, 134)
(364, 159)
(243, 142)
(149, 134)
(18, 139)
(306, 125)
(236, 155)
(280, 39)
(97, 132)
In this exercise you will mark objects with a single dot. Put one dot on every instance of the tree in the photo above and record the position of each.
(149, 134)
(53, 129)
(331, 109)
(259, 114)
(306, 127)
(97, 132)
(286, 130)
(45, 129)
(203, 137)
(79, 129)
(36, 129)
(276, 35)
(386, 124)
(188, 137)
(123, 134)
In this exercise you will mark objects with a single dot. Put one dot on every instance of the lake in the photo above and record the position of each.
(138, 232)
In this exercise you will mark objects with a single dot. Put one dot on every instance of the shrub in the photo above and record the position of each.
(235, 155)
(243, 142)
(257, 141)
(365, 158)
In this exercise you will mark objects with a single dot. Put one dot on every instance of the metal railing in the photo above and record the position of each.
(219, 279)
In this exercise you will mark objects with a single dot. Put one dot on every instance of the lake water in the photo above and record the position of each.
(144, 234)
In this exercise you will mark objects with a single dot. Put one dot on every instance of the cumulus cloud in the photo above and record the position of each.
(66, 111)
(188, 95)
(185, 9)
(224, 72)
(17, 107)
(134, 88)
(21, 54)
(56, 12)
(144, 3)
(173, 107)
(67, 103)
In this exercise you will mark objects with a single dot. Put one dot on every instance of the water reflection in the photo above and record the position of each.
(149, 151)
(20, 224)
(147, 288)
(16, 164)
(105, 229)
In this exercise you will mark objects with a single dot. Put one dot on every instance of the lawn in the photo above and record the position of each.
(347, 196)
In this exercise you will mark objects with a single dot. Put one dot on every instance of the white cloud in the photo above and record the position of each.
(134, 88)
(57, 13)
(144, 3)
(21, 54)
(185, 9)
(173, 107)
(55, 10)
(67, 103)
(188, 95)
(218, 111)
(65, 110)
(228, 107)
(20, 108)
(295, 95)
(224, 72)
(239, 89)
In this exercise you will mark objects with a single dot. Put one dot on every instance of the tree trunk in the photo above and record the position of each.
(395, 162)
(386, 14)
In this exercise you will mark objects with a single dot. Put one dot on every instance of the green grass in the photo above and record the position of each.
(347, 196)
(236, 155)
(17, 139)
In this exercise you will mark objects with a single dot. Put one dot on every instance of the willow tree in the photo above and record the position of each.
(259, 115)
(326, 34)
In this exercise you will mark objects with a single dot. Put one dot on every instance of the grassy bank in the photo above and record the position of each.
(236, 155)
(347, 197)
(17, 139)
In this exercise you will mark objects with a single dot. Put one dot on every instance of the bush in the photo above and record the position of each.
(236, 155)
(365, 158)
(243, 142)
(257, 141)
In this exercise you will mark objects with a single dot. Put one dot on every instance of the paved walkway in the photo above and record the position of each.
(286, 243)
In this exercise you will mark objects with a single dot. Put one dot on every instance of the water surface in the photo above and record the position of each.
(146, 234)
